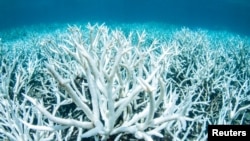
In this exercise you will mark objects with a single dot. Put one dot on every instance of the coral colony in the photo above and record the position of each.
(98, 83)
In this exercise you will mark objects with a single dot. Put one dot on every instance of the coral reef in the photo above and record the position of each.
(104, 84)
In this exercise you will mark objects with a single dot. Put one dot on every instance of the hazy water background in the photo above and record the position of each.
(233, 15)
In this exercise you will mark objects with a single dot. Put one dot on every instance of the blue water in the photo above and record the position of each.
(232, 15)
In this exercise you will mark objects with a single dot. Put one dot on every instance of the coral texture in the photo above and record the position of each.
(105, 84)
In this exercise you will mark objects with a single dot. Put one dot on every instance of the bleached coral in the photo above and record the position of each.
(105, 84)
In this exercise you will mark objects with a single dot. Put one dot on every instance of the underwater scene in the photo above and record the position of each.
(123, 70)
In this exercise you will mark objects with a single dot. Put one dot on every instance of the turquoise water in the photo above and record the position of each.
(232, 15)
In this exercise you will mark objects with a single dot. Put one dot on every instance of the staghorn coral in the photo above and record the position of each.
(102, 84)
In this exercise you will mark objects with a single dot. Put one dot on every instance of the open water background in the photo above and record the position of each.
(231, 15)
